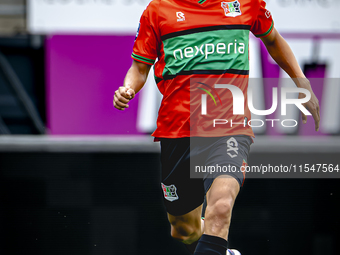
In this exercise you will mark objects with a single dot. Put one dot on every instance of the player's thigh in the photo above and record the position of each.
(229, 155)
(182, 194)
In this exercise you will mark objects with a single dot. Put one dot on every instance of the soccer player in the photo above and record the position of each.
(200, 43)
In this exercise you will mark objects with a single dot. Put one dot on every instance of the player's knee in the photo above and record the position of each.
(220, 210)
(184, 232)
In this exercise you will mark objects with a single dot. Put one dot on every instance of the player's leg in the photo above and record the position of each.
(187, 228)
(221, 192)
(220, 201)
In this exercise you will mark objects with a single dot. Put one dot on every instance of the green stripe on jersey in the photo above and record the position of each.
(201, 1)
(209, 50)
(268, 31)
(148, 60)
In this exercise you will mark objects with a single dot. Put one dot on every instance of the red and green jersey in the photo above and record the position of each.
(207, 42)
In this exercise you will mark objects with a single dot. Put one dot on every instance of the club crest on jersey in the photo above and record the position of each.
(170, 193)
(231, 9)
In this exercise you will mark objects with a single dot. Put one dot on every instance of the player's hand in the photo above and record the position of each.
(312, 105)
(122, 97)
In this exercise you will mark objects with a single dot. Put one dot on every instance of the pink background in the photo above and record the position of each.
(82, 74)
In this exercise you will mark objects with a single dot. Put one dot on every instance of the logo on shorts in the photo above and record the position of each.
(170, 193)
(232, 147)
(231, 9)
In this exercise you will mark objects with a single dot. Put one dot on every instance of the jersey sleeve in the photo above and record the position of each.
(147, 39)
(263, 24)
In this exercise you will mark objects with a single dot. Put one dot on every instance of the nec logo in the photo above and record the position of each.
(180, 16)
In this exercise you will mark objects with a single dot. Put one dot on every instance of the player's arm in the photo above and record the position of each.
(280, 51)
(133, 82)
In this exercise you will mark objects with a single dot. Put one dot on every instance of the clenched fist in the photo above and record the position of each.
(122, 97)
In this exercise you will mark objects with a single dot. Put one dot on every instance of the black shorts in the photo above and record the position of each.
(209, 157)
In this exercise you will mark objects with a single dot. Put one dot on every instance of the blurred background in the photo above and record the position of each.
(80, 177)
